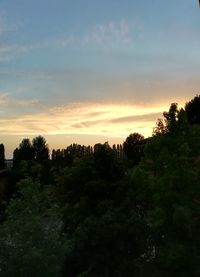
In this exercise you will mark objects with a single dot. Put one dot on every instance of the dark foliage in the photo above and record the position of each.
(192, 109)
(133, 148)
(127, 210)
(2, 156)
(41, 150)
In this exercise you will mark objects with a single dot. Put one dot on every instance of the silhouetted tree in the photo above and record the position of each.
(2, 156)
(26, 151)
(133, 148)
(171, 117)
(192, 109)
(15, 157)
(106, 162)
(170, 122)
(160, 128)
(53, 155)
(41, 149)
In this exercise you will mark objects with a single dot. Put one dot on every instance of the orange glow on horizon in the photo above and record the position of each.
(84, 123)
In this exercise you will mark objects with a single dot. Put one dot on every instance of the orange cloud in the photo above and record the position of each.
(111, 120)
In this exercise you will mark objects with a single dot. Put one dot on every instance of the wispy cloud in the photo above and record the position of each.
(11, 51)
(105, 34)
(8, 48)
(110, 32)
(84, 119)
(136, 118)
(5, 26)
(9, 102)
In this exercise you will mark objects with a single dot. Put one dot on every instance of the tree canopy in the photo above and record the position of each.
(132, 209)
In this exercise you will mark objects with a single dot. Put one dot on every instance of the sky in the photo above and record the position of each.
(89, 71)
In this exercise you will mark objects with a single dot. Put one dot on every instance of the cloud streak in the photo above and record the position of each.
(107, 34)
(84, 119)
(111, 32)
(6, 27)
(6, 101)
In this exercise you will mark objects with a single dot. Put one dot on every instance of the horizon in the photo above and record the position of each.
(62, 141)
(89, 72)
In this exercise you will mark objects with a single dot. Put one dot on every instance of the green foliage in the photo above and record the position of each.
(30, 241)
(107, 237)
(170, 174)
(102, 222)
(116, 220)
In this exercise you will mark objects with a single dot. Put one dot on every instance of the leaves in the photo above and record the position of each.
(30, 243)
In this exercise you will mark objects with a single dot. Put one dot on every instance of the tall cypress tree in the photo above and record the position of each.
(2, 156)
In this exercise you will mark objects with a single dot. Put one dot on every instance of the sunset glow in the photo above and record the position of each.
(94, 68)
(84, 123)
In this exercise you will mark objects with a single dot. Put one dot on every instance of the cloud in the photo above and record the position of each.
(103, 34)
(110, 32)
(5, 26)
(150, 117)
(88, 124)
(134, 118)
(7, 102)
(84, 119)
(11, 51)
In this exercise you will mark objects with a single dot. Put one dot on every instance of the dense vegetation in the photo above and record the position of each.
(126, 210)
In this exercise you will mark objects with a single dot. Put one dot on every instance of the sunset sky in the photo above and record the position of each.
(91, 71)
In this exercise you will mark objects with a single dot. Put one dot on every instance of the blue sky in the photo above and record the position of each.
(94, 69)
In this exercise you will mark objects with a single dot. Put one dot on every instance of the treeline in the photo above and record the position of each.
(38, 150)
(126, 210)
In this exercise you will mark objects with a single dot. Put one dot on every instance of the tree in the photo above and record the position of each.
(41, 149)
(192, 109)
(160, 128)
(15, 157)
(168, 182)
(30, 241)
(33, 160)
(133, 147)
(2, 156)
(107, 164)
(102, 222)
(26, 151)
(171, 117)
(169, 124)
